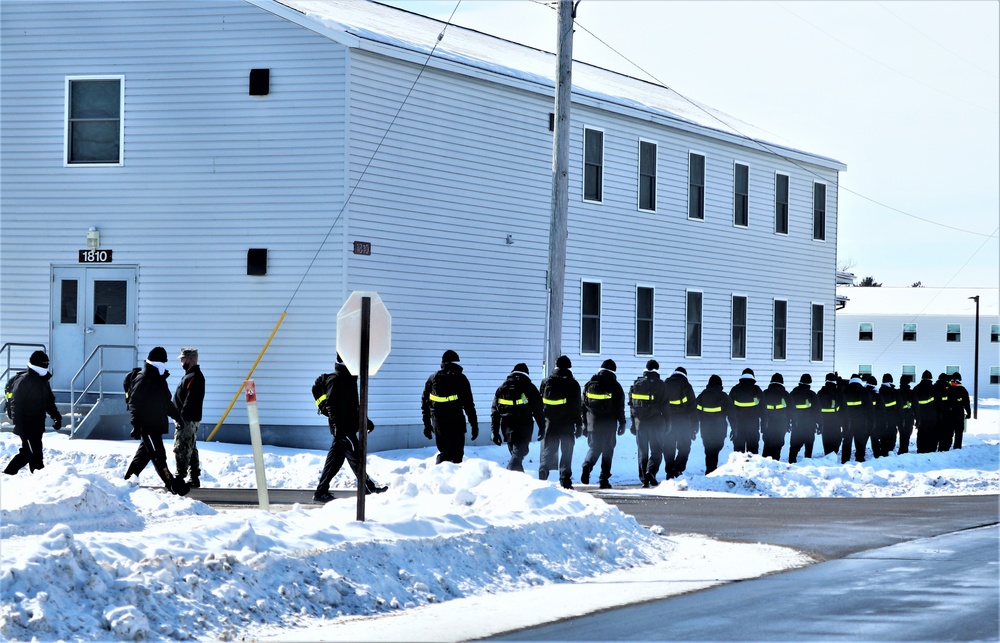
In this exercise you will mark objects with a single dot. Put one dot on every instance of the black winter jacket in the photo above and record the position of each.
(190, 394)
(32, 400)
(714, 407)
(150, 403)
(445, 415)
(802, 409)
(608, 381)
(561, 402)
(774, 414)
(746, 405)
(515, 418)
(343, 404)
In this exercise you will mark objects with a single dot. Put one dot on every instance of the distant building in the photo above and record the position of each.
(182, 173)
(910, 330)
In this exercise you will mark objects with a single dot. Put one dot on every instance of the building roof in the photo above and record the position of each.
(370, 21)
(919, 301)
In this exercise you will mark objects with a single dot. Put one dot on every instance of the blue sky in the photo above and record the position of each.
(905, 93)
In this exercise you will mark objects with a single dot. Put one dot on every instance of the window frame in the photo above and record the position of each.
(688, 300)
(775, 329)
(654, 176)
(914, 332)
(952, 368)
(587, 164)
(994, 333)
(584, 316)
(912, 372)
(948, 333)
(691, 185)
(651, 320)
(779, 215)
(67, 120)
(817, 332)
(994, 375)
(866, 335)
(733, 325)
(741, 200)
(819, 215)
(865, 369)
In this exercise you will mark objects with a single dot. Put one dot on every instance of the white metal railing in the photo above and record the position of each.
(98, 379)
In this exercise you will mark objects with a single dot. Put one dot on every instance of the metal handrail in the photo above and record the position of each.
(74, 399)
(6, 348)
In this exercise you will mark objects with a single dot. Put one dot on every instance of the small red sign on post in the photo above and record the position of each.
(251, 391)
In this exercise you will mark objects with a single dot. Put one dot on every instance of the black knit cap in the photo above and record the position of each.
(521, 368)
(926, 375)
(681, 369)
(563, 362)
(158, 354)
(831, 377)
(449, 356)
(39, 359)
(956, 377)
(715, 380)
(748, 371)
(652, 365)
(777, 377)
(905, 379)
(610, 365)
(806, 379)
(887, 378)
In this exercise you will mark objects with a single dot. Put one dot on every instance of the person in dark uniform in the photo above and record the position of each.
(746, 413)
(956, 413)
(189, 397)
(876, 429)
(603, 413)
(515, 403)
(892, 403)
(926, 415)
(804, 416)
(563, 422)
(447, 395)
(942, 393)
(150, 404)
(647, 406)
(907, 401)
(857, 419)
(829, 403)
(336, 396)
(774, 417)
(31, 399)
(682, 423)
(714, 407)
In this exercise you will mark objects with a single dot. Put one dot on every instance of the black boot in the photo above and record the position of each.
(585, 474)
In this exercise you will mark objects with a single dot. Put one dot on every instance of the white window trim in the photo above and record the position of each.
(826, 210)
(583, 164)
(600, 317)
(774, 300)
(902, 333)
(732, 208)
(704, 187)
(653, 339)
(638, 174)
(121, 121)
(746, 326)
(860, 330)
(788, 223)
(701, 338)
(812, 330)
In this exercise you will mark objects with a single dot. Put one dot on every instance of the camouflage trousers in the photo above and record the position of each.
(186, 450)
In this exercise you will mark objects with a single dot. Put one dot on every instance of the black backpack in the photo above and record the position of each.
(512, 402)
(599, 400)
(643, 398)
(131, 378)
(445, 389)
(8, 393)
(321, 392)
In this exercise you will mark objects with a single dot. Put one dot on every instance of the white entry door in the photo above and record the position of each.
(92, 306)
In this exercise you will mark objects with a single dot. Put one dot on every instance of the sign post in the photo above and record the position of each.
(258, 450)
(364, 329)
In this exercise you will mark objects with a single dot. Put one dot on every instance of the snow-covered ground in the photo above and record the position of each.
(89, 556)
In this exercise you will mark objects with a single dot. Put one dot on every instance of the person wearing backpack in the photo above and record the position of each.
(563, 423)
(31, 399)
(714, 407)
(515, 404)
(647, 406)
(447, 395)
(189, 397)
(149, 403)
(804, 416)
(893, 403)
(336, 397)
(603, 418)
(682, 423)
(829, 405)
(906, 402)
(746, 413)
(774, 422)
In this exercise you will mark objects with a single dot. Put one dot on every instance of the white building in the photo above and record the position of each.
(910, 330)
(231, 161)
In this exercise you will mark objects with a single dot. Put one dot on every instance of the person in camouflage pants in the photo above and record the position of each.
(188, 398)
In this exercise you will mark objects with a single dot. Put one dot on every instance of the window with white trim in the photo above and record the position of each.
(739, 324)
(994, 374)
(643, 321)
(741, 195)
(953, 333)
(911, 370)
(995, 333)
(952, 369)
(647, 176)
(819, 211)
(781, 204)
(864, 369)
(780, 318)
(94, 120)
(818, 311)
(593, 165)
(909, 332)
(696, 186)
(866, 332)
(590, 317)
(692, 343)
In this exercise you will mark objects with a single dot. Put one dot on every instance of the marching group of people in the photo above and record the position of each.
(666, 416)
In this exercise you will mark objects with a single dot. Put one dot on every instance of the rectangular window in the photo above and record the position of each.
(994, 374)
(864, 369)
(593, 165)
(647, 176)
(780, 324)
(739, 345)
(741, 195)
(643, 321)
(94, 123)
(909, 332)
(951, 369)
(696, 186)
(816, 354)
(995, 333)
(692, 346)
(68, 301)
(866, 332)
(590, 322)
(819, 211)
(954, 333)
(911, 370)
(781, 204)
(110, 302)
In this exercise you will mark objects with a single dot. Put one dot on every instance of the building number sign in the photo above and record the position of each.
(94, 255)
(363, 248)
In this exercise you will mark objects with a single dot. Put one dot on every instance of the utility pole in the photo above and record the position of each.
(975, 367)
(559, 228)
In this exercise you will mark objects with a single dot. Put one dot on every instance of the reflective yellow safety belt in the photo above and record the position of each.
(745, 404)
(320, 399)
(546, 400)
(775, 407)
(450, 398)
(858, 403)
(927, 401)
(807, 405)
(709, 409)
(680, 401)
(640, 396)
(523, 400)
(598, 396)
(888, 404)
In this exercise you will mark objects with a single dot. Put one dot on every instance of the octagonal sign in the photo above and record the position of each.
(349, 332)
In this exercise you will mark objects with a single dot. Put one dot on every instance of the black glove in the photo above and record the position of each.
(57, 423)
(621, 429)
(475, 433)
(497, 440)
(427, 432)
